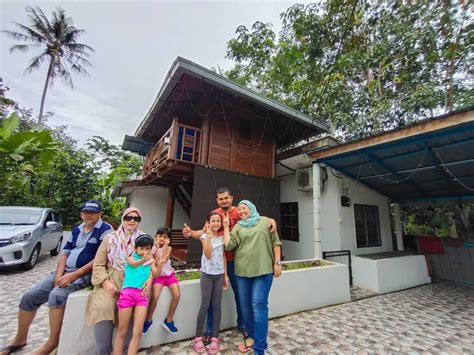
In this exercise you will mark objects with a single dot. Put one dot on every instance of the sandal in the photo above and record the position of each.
(11, 348)
(206, 339)
(244, 347)
(214, 347)
(199, 345)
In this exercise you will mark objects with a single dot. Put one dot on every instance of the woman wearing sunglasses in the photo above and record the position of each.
(107, 277)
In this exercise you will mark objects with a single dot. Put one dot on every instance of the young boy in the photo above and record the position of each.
(166, 278)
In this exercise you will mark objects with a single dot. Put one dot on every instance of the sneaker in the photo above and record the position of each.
(169, 326)
(147, 325)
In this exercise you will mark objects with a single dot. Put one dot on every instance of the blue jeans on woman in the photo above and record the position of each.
(240, 321)
(253, 295)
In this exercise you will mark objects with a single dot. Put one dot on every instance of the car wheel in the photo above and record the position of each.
(30, 264)
(56, 250)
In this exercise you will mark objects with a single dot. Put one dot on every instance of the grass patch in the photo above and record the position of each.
(304, 264)
(184, 275)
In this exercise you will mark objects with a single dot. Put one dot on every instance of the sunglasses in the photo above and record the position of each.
(132, 218)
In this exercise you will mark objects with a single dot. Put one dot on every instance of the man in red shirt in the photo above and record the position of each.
(224, 200)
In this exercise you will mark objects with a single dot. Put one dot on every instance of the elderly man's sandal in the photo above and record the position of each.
(11, 348)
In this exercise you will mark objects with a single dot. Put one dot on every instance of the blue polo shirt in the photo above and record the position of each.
(81, 247)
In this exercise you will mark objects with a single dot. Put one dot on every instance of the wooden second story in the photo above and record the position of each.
(200, 117)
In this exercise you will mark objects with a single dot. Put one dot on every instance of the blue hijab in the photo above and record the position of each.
(254, 216)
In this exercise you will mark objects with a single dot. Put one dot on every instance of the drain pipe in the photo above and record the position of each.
(317, 218)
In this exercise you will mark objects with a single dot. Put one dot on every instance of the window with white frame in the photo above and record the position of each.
(367, 226)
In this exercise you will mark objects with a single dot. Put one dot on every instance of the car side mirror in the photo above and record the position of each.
(51, 224)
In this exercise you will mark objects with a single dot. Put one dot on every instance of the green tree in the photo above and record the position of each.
(24, 155)
(116, 165)
(362, 66)
(60, 49)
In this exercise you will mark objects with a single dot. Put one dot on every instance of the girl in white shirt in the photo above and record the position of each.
(213, 281)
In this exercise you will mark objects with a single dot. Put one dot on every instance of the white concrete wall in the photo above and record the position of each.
(151, 200)
(331, 213)
(308, 289)
(304, 249)
(364, 273)
(337, 222)
(360, 194)
(391, 274)
(401, 273)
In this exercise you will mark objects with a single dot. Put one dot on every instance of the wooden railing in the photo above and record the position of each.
(180, 142)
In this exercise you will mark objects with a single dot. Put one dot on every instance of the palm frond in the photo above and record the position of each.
(72, 34)
(40, 22)
(64, 73)
(22, 47)
(80, 48)
(76, 67)
(36, 62)
(28, 35)
(79, 59)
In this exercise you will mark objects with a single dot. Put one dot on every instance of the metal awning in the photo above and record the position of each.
(432, 160)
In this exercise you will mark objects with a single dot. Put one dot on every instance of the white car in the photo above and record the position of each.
(28, 232)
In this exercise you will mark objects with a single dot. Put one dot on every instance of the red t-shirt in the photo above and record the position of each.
(233, 219)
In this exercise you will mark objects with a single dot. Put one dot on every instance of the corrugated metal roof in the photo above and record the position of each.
(436, 165)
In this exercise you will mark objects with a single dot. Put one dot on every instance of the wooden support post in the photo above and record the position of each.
(170, 206)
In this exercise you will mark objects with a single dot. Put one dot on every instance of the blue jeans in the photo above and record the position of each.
(253, 293)
(240, 321)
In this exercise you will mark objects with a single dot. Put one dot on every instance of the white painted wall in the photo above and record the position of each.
(337, 230)
(151, 200)
(304, 249)
(331, 213)
(316, 287)
(361, 194)
(391, 274)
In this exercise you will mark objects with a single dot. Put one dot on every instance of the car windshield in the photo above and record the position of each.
(15, 216)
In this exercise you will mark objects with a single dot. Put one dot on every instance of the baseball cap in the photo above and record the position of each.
(92, 206)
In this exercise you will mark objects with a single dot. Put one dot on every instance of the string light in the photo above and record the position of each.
(194, 107)
(446, 169)
(230, 135)
(418, 166)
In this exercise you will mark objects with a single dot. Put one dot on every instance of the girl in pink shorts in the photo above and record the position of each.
(166, 278)
(132, 300)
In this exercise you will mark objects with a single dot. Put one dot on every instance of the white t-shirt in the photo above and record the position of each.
(215, 265)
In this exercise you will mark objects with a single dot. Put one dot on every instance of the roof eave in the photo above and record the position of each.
(183, 66)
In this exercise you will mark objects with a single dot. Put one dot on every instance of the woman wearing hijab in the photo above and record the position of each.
(257, 260)
(107, 277)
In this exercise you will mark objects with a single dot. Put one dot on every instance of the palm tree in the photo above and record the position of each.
(57, 39)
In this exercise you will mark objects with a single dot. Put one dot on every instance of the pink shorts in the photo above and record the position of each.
(166, 280)
(131, 297)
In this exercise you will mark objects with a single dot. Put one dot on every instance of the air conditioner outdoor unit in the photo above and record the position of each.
(304, 179)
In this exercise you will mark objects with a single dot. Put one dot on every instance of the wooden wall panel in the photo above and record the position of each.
(219, 145)
(251, 156)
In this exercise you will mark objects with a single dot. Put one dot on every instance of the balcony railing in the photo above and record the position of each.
(180, 143)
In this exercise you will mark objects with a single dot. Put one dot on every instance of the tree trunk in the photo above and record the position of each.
(45, 89)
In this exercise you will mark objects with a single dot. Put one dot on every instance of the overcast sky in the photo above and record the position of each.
(135, 44)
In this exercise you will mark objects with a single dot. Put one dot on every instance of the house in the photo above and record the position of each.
(203, 132)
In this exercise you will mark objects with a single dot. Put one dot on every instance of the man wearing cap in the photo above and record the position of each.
(73, 272)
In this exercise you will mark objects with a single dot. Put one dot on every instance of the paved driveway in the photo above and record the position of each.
(436, 318)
